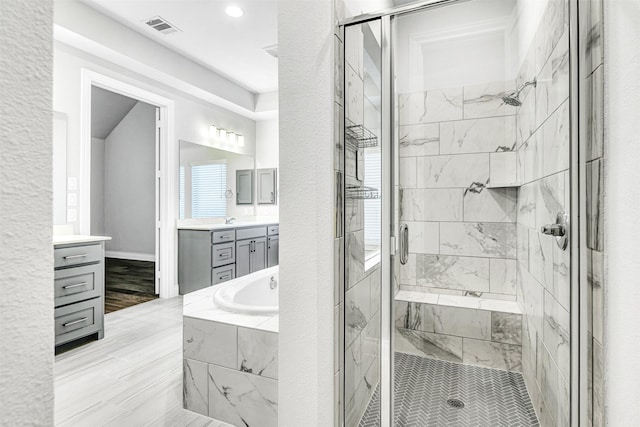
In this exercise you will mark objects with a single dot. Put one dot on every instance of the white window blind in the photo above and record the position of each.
(181, 191)
(208, 187)
(372, 207)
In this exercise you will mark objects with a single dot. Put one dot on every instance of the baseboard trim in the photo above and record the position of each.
(130, 255)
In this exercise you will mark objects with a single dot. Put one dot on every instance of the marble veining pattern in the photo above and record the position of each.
(483, 135)
(497, 240)
(453, 272)
(419, 140)
(242, 399)
(452, 171)
(429, 107)
(195, 389)
(485, 100)
(258, 352)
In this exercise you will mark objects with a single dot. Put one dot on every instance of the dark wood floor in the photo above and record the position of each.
(127, 283)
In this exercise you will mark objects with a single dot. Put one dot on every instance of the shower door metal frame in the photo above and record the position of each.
(580, 311)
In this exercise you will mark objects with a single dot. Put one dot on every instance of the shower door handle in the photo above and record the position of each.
(404, 244)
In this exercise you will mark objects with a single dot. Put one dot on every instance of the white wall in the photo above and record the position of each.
(129, 182)
(192, 116)
(268, 156)
(305, 368)
(26, 261)
(465, 35)
(622, 204)
(97, 187)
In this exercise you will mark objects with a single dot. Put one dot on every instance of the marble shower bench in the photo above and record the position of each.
(230, 363)
(470, 330)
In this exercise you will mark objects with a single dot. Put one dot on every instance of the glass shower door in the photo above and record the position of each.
(481, 313)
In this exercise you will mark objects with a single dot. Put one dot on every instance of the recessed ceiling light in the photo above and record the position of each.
(234, 11)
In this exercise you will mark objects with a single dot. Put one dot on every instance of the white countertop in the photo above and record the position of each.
(67, 239)
(200, 305)
(224, 226)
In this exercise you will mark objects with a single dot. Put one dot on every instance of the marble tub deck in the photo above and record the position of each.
(200, 305)
(230, 363)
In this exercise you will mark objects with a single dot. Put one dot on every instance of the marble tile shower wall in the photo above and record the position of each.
(462, 233)
(361, 288)
(543, 269)
(592, 113)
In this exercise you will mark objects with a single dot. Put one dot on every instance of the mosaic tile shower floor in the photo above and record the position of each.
(422, 386)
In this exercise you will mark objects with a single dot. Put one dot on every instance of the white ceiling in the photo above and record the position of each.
(107, 110)
(233, 47)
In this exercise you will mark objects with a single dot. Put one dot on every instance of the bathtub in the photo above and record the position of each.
(251, 294)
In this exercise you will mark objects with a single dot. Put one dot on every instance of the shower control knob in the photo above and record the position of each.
(559, 230)
(556, 230)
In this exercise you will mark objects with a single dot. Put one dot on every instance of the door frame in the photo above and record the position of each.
(166, 173)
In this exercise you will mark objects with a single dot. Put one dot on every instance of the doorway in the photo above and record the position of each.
(160, 194)
(123, 195)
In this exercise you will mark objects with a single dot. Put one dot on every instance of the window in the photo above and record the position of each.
(208, 187)
(372, 207)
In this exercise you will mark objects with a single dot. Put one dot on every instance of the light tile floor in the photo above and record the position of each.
(132, 377)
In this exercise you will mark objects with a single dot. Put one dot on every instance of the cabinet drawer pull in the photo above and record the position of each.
(73, 322)
(75, 256)
(224, 255)
(225, 277)
(75, 285)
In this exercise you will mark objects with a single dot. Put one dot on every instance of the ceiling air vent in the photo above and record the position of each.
(272, 50)
(160, 24)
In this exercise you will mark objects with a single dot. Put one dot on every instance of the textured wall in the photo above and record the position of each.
(306, 212)
(26, 262)
(621, 225)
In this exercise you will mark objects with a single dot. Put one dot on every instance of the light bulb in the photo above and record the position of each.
(213, 131)
(240, 140)
(234, 11)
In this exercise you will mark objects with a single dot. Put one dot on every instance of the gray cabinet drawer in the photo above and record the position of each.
(250, 233)
(76, 255)
(77, 284)
(78, 320)
(273, 230)
(223, 236)
(223, 254)
(223, 274)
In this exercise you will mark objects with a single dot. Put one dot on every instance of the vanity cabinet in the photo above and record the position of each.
(209, 256)
(251, 250)
(273, 245)
(78, 291)
(205, 258)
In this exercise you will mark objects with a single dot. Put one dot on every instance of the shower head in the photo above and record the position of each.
(514, 98)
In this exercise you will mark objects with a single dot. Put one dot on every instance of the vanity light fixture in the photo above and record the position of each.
(226, 136)
(234, 11)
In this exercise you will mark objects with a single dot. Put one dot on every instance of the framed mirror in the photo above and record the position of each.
(208, 182)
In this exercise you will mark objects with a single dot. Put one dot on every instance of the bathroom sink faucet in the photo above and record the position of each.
(229, 220)
(273, 283)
